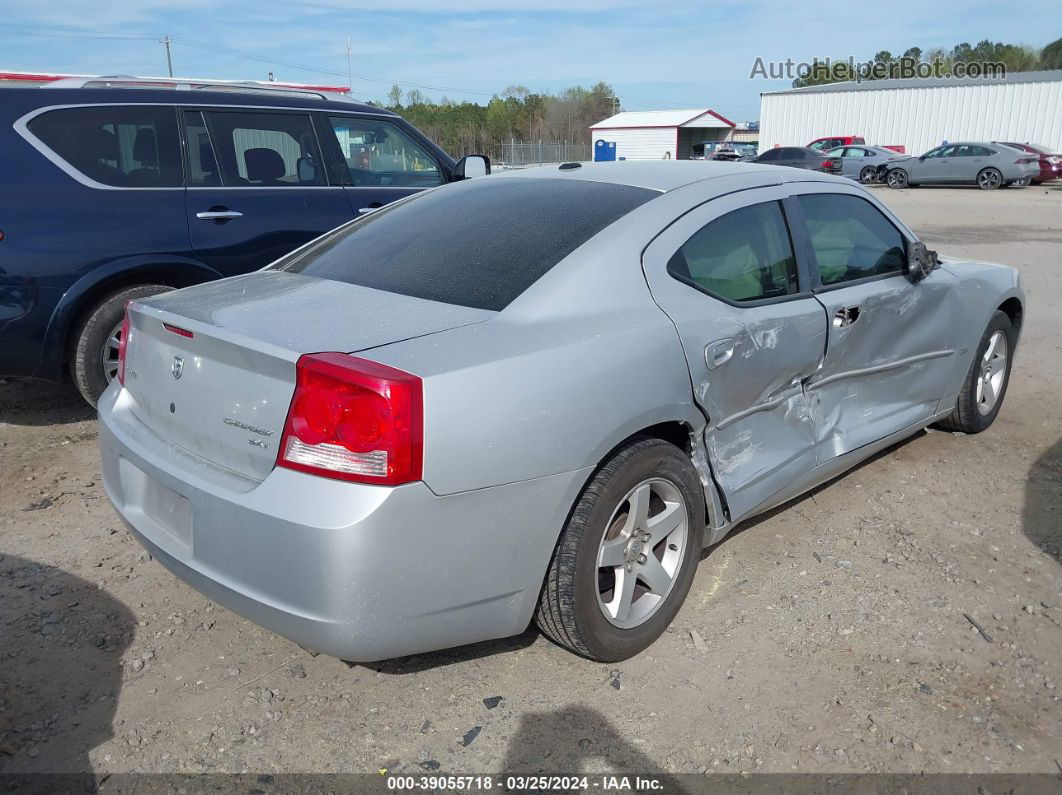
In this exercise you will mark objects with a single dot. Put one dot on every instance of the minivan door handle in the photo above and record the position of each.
(218, 214)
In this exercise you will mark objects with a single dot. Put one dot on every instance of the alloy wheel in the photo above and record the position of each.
(110, 353)
(989, 179)
(992, 374)
(641, 552)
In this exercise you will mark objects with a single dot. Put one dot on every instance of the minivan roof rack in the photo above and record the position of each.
(198, 84)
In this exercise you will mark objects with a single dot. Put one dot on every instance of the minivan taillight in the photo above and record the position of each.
(123, 343)
(354, 419)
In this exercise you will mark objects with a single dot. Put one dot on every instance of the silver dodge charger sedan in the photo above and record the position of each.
(535, 395)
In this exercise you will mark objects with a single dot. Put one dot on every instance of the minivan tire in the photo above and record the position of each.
(568, 611)
(90, 336)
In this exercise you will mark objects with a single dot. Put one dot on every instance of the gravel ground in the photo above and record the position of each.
(829, 636)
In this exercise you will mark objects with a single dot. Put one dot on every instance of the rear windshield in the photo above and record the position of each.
(478, 243)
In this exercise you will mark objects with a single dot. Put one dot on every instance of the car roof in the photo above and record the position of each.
(667, 175)
(41, 97)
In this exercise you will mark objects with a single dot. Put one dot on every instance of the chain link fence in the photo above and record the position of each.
(521, 154)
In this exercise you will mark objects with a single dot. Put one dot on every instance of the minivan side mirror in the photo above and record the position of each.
(471, 166)
(920, 261)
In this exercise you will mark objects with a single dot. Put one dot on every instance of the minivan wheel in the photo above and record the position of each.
(94, 352)
(628, 554)
(989, 179)
(897, 178)
(986, 382)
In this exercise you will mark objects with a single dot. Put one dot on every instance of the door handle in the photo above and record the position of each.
(369, 208)
(218, 215)
(845, 316)
(718, 353)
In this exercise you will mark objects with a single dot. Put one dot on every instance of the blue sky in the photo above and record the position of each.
(656, 55)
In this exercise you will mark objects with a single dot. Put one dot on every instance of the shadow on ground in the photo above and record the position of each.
(61, 642)
(1042, 513)
(440, 659)
(578, 739)
(39, 403)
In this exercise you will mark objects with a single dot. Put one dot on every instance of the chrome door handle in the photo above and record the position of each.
(367, 210)
(218, 215)
(718, 353)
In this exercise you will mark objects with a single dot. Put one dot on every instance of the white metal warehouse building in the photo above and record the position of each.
(660, 134)
(920, 113)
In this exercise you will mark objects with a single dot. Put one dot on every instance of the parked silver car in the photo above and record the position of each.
(864, 162)
(989, 166)
(538, 394)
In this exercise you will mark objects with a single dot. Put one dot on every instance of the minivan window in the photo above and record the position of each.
(850, 238)
(265, 149)
(478, 243)
(123, 146)
(378, 153)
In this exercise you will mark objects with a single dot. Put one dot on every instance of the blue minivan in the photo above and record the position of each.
(117, 188)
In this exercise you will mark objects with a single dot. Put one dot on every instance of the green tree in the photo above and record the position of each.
(1051, 55)
(394, 97)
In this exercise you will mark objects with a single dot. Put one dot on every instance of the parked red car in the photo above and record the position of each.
(1050, 162)
(833, 141)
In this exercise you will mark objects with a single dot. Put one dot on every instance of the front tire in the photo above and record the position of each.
(986, 382)
(627, 555)
(898, 179)
(94, 351)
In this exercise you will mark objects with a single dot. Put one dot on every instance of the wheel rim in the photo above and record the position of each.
(993, 372)
(867, 176)
(641, 552)
(110, 353)
(989, 179)
(897, 179)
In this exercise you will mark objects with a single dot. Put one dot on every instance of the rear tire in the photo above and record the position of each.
(973, 413)
(989, 179)
(93, 351)
(869, 175)
(573, 610)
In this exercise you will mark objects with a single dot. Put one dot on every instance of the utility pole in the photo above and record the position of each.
(169, 61)
(350, 82)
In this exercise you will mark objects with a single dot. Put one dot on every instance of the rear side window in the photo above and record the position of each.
(744, 255)
(478, 243)
(265, 150)
(850, 238)
(127, 146)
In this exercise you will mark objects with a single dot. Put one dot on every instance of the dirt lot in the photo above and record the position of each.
(830, 635)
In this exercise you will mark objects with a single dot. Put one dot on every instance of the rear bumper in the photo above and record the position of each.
(359, 572)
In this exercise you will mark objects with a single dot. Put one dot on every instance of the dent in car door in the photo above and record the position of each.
(748, 359)
(889, 357)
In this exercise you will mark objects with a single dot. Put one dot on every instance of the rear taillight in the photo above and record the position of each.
(827, 164)
(123, 343)
(353, 419)
(1023, 160)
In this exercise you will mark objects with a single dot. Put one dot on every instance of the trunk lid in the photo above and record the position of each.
(223, 392)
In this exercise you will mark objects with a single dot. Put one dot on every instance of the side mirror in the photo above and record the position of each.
(920, 261)
(471, 166)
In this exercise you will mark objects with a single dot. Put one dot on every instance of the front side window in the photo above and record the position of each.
(851, 239)
(379, 153)
(126, 146)
(476, 243)
(769, 155)
(745, 255)
(265, 149)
